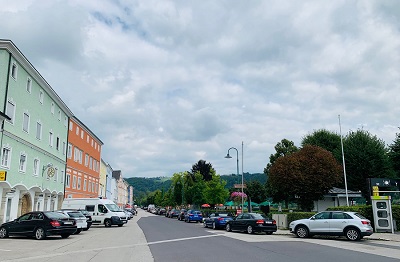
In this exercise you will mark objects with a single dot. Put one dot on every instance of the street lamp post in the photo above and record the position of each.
(237, 168)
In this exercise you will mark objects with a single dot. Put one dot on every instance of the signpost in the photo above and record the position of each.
(3, 175)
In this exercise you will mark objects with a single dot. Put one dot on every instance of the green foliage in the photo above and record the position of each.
(365, 156)
(325, 139)
(205, 169)
(256, 191)
(283, 148)
(394, 154)
(215, 192)
(292, 216)
(303, 176)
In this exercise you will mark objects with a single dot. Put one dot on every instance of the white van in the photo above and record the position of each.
(103, 211)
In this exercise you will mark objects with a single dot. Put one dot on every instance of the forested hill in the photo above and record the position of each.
(144, 185)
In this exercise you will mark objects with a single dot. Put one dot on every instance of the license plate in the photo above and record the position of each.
(268, 222)
(68, 223)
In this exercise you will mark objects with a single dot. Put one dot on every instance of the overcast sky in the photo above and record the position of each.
(166, 83)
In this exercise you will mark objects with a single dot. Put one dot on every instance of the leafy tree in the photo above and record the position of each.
(177, 184)
(256, 191)
(394, 154)
(194, 192)
(214, 191)
(325, 139)
(205, 169)
(366, 156)
(283, 148)
(304, 176)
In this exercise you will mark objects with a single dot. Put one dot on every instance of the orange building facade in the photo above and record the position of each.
(83, 161)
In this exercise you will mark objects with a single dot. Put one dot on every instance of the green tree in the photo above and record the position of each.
(256, 191)
(304, 176)
(178, 188)
(214, 191)
(366, 156)
(283, 148)
(394, 154)
(205, 169)
(325, 139)
(195, 190)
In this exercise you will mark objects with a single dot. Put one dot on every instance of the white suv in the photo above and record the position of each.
(81, 222)
(335, 223)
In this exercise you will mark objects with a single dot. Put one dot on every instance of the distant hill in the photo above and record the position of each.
(143, 185)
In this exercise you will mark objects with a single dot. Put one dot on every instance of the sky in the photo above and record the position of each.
(165, 84)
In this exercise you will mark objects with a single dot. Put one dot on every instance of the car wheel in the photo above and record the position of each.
(120, 225)
(268, 233)
(353, 234)
(228, 228)
(65, 235)
(214, 226)
(250, 229)
(107, 223)
(3, 232)
(204, 224)
(79, 230)
(40, 233)
(302, 232)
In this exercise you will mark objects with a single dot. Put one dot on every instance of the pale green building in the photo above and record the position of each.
(33, 141)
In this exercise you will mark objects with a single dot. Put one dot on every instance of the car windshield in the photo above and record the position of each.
(113, 208)
(55, 215)
(223, 215)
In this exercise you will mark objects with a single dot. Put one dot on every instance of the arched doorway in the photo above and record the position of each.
(26, 204)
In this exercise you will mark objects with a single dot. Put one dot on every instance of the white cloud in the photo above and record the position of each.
(166, 83)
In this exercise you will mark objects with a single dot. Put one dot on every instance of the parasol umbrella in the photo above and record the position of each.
(205, 205)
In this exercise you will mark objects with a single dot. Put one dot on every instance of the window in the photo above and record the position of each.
(36, 164)
(71, 125)
(6, 157)
(64, 147)
(25, 126)
(38, 131)
(51, 139)
(86, 159)
(29, 85)
(56, 174)
(22, 163)
(57, 143)
(77, 130)
(87, 138)
(74, 182)
(68, 180)
(62, 176)
(65, 121)
(69, 152)
(81, 134)
(14, 71)
(41, 96)
(90, 162)
(10, 111)
(52, 108)
(59, 115)
(79, 182)
(93, 187)
(84, 184)
(78, 155)
(90, 186)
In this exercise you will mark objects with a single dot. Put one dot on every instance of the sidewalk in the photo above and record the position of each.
(375, 236)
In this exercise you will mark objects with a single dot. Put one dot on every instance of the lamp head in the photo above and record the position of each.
(228, 156)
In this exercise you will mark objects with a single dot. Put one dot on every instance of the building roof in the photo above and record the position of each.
(340, 192)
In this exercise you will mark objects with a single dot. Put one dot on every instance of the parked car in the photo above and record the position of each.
(88, 219)
(161, 212)
(352, 225)
(193, 215)
(217, 220)
(251, 223)
(181, 215)
(39, 225)
(81, 222)
(173, 213)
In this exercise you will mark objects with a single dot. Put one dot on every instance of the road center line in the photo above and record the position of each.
(182, 239)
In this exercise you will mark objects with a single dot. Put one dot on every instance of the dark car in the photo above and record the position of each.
(217, 220)
(193, 215)
(161, 212)
(182, 214)
(173, 213)
(39, 224)
(251, 223)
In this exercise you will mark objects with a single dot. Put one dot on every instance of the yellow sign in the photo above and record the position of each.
(375, 191)
(3, 175)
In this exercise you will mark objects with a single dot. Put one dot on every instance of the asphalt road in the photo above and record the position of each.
(148, 238)
(173, 240)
